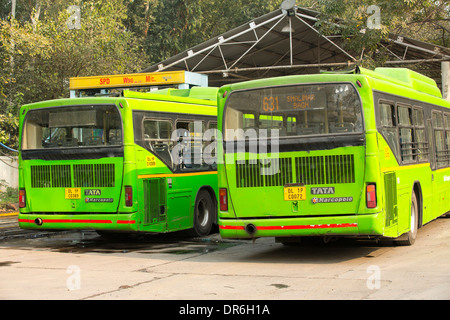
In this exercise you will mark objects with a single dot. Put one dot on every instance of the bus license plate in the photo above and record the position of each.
(294, 193)
(73, 193)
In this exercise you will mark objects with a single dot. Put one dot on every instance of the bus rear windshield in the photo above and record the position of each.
(72, 127)
(300, 110)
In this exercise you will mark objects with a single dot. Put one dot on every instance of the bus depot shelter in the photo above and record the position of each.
(286, 42)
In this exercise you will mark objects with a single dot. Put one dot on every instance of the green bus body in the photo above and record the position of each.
(86, 185)
(400, 152)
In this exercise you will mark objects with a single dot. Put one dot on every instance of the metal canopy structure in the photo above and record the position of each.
(285, 42)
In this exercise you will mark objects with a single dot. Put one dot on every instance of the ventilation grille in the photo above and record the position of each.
(340, 169)
(310, 170)
(84, 175)
(333, 169)
(390, 187)
(270, 173)
(93, 175)
(55, 176)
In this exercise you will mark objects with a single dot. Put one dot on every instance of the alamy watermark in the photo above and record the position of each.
(73, 282)
(374, 280)
(74, 20)
(196, 148)
(374, 21)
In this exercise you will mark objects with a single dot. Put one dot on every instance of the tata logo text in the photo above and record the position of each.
(92, 192)
(322, 190)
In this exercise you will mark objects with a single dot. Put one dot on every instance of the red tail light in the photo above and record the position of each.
(22, 198)
(223, 198)
(371, 196)
(129, 196)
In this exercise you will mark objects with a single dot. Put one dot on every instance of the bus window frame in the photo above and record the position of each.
(406, 126)
(428, 109)
(439, 163)
(286, 139)
(183, 167)
(395, 149)
(155, 119)
(148, 142)
(72, 153)
(423, 127)
(138, 131)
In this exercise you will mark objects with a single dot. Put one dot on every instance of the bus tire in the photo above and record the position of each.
(204, 213)
(409, 238)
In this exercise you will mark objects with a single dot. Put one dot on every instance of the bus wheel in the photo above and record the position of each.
(204, 213)
(409, 238)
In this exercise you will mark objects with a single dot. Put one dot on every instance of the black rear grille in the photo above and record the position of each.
(311, 170)
(267, 173)
(54, 176)
(84, 175)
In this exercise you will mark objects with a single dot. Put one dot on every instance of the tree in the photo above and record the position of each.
(40, 53)
(353, 20)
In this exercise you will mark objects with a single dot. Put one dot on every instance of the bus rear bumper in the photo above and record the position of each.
(349, 225)
(120, 222)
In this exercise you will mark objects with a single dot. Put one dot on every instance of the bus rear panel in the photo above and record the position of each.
(72, 167)
(295, 161)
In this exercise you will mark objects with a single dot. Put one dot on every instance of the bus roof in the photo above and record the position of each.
(399, 76)
(406, 77)
(195, 95)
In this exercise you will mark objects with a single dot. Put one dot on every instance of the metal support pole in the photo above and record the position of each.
(290, 41)
(446, 80)
(13, 9)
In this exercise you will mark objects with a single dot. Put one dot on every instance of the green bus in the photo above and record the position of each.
(353, 154)
(120, 164)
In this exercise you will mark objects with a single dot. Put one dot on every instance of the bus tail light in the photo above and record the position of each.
(129, 196)
(371, 196)
(22, 198)
(223, 198)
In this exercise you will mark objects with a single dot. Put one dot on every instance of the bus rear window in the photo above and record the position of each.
(72, 127)
(294, 111)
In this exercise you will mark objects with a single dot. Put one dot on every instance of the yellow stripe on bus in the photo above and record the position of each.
(414, 166)
(443, 169)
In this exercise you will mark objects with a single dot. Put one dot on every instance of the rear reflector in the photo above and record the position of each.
(223, 198)
(129, 196)
(22, 198)
(371, 196)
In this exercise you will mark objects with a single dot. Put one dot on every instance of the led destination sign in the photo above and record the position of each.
(293, 101)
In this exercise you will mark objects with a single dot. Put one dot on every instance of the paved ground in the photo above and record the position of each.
(82, 265)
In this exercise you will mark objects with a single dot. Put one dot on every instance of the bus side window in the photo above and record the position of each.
(447, 134)
(190, 144)
(157, 138)
(389, 126)
(439, 137)
(210, 145)
(422, 145)
(407, 144)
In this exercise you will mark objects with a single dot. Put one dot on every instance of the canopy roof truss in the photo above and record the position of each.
(285, 42)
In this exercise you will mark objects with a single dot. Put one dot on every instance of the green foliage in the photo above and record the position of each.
(9, 129)
(9, 197)
(39, 53)
(419, 19)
